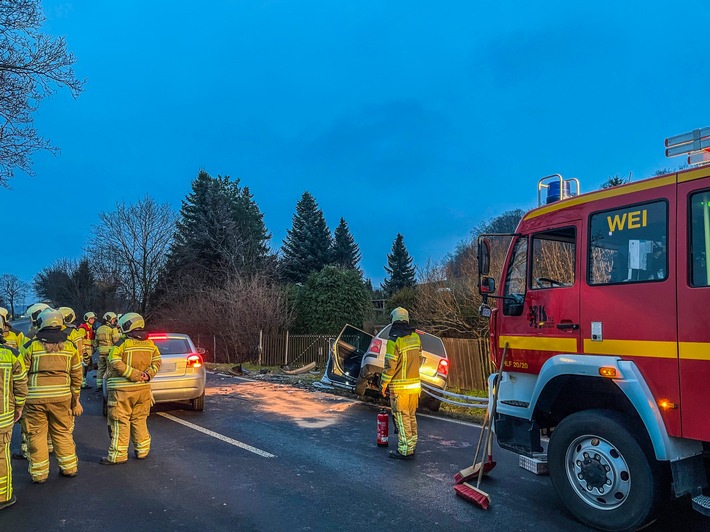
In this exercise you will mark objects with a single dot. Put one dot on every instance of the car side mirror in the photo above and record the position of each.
(200, 350)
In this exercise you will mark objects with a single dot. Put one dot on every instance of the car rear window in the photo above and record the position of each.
(172, 346)
(430, 343)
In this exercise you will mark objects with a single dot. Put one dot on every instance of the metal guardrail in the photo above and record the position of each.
(483, 401)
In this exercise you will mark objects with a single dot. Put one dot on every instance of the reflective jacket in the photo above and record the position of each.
(106, 336)
(52, 377)
(75, 335)
(13, 386)
(129, 358)
(13, 338)
(402, 361)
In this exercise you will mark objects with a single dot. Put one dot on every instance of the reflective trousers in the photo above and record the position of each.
(57, 421)
(5, 467)
(101, 370)
(23, 443)
(404, 410)
(128, 421)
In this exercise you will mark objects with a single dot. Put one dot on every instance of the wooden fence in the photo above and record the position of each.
(469, 364)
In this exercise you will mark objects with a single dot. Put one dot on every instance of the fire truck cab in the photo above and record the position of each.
(603, 309)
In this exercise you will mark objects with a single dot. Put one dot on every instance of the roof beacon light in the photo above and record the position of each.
(557, 188)
(696, 144)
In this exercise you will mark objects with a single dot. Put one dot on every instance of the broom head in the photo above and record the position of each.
(473, 495)
(471, 472)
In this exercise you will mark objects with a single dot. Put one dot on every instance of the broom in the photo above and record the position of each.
(471, 472)
(472, 493)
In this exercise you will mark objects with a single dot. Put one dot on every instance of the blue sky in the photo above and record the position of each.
(420, 118)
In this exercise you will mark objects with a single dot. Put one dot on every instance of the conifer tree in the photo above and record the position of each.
(345, 253)
(399, 267)
(221, 231)
(306, 248)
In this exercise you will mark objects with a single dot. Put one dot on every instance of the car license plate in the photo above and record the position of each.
(167, 368)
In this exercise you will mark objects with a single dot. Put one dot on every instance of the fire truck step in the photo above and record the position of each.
(520, 404)
(701, 504)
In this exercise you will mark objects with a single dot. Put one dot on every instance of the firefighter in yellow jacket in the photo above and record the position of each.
(132, 363)
(13, 392)
(33, 311)
(106, 335)
(54, 382)
(401, 376)
(13, 338)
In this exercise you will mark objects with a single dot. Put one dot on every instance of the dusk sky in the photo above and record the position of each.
(423, 118)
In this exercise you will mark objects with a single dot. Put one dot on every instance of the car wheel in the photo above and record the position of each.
(603, 469)
(360, 387)
(430, 403)
(198, 404)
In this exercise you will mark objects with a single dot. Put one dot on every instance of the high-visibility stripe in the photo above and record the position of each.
(693, 175)
(638, 348)
(694, 350)
(540, 343)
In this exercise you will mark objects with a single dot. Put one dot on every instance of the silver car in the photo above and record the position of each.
(182, 373)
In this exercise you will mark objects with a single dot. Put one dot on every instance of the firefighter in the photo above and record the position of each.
(401, 376)
(132, 363)
(13, 338)
(106, 335)
(87, 348)
(54, 381)
(33, 311)
(13, 392)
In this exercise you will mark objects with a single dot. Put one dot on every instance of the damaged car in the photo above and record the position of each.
(356, 360)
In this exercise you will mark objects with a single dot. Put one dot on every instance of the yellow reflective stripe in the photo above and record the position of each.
(694, 350)
(539, 343)
(634, 348)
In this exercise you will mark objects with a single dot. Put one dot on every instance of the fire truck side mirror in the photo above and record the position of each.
(484, 256)
(487, 285)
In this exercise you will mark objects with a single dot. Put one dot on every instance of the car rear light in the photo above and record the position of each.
(375, 345)
(194, 361)
(443, 368)
(157, 336)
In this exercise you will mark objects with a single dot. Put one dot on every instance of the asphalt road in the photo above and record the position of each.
(313, 465)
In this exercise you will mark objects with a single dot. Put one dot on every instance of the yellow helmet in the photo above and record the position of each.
(68, 314)
(50, 318)
(2, 321)
(399, 314)
(89, 315)
(109, 316)
(34, 310)
(130, 322)
(4, 313)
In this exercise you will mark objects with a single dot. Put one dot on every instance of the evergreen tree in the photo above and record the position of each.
(399, 267)
(329, 299)
(221, 231)
(345, 252)
(306, 248)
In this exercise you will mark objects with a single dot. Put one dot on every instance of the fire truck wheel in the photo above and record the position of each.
(603, 469)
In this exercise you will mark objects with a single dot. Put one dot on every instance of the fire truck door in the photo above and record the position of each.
(693, 236)
(541, 318)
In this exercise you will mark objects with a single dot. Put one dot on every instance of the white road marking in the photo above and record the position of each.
(218, 436)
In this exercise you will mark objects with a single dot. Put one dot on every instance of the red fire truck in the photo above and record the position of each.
(604, 309)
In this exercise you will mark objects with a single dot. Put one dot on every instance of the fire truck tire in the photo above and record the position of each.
(603, 469)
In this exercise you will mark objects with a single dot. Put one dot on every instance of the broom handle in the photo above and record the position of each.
(489, 435)
(480, 438)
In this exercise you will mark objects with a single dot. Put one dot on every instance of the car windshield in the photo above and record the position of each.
(172, 346)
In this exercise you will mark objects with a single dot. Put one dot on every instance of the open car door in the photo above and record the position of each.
(345, 356)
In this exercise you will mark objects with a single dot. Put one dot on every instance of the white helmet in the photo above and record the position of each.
(131, 321)
(34, 310)
(399, 314)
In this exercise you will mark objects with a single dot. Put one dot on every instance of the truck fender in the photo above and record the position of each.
(526, 388)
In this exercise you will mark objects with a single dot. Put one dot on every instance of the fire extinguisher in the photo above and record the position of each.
(383, 428)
